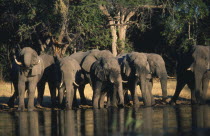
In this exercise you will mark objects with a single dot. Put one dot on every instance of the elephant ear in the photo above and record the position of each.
(126, 69)
(35, 59)
(87, 63)
(99, 70)
(37, 69)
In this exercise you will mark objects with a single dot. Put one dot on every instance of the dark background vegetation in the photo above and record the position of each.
(167, 31)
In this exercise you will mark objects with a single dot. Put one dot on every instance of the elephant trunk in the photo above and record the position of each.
(163, 82)
(146, 94)
(120, 93)
(27, 60)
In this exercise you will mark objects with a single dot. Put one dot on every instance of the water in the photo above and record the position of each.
(159, 121)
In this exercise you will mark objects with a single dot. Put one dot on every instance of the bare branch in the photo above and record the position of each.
(151, 6)
(124, 24)
(105, 11)
(130, 14)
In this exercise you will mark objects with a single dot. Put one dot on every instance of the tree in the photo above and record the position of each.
(119, 14)
(183, 24)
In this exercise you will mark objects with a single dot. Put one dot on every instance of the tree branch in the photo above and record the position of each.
(105, 11)
(151, 6)
(130, 14)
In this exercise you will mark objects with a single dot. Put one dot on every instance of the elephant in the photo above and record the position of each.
(71, 77)
(79, 57)
(158, 69)
(106, 79)
(85, 60)
(193, 69)
(31, 70)
(135, 69)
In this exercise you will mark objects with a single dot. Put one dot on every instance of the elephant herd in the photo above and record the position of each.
(109, 76)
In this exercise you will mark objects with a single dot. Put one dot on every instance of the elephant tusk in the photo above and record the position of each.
(17, 62)
(38, 61)
(76, 84)
(124, 81)
(169, 77)
(61, 84)
(189, 69)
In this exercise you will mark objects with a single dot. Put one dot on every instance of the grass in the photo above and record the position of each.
(6, 92)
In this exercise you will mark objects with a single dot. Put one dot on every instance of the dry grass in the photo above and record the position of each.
(5, 91)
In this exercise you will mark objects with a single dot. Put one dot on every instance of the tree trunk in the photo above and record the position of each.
(64, 5)
(114, 38)
(122, 34)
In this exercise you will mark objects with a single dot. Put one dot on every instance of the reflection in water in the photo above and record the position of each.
(180, 120)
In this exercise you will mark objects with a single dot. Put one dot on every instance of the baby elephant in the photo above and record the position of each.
(70, 78)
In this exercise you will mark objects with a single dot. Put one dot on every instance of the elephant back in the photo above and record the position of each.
(48, 60)
(94, 56)
(79, 56)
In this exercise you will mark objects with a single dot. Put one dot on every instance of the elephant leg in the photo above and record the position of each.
(75, 103)
(21, 93)
(52, 87)
(102, 98)
(126, 98)
(40, 88)
(113, 97)
(205, 84)
(96, 94)
(82, 95)
(108, 104)
(198, 89)
(191, 85)
(150, 86)
(179, 86)
(32, 88)
(12, 99)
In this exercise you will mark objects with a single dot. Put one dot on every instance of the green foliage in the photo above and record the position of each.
(22, 20)
(87, 21)
(181, 27)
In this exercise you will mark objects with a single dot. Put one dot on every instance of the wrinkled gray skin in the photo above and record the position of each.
(29, 74)
(193, 70)
(158, 69)
(106, 79)
(135, 69)
(87, 63)
(79, 57)
(71, 77)
(48, 76)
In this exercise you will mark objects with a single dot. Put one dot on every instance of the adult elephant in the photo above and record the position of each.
(193, 70)
(135, 69)
(71, 78)
(30, 69)
(85, 60)
(158, 69)
(79, 57)
(106, 79)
